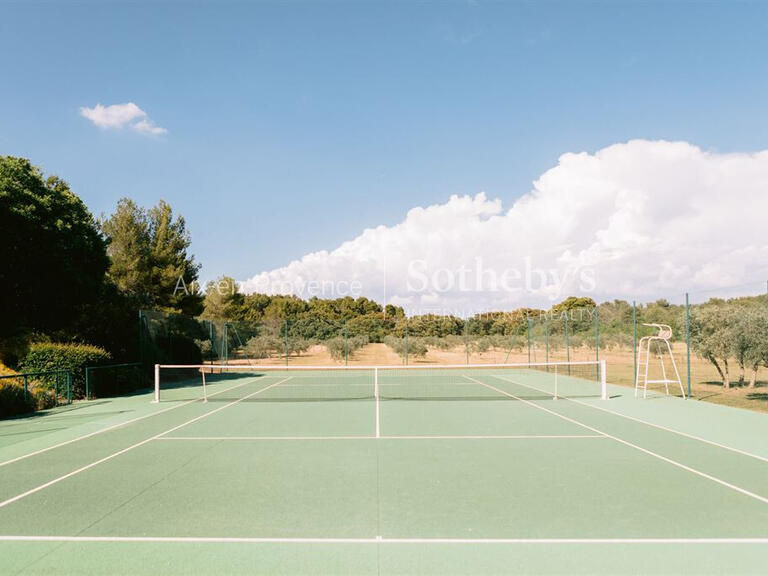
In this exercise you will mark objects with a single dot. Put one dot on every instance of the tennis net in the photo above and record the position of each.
(523, 381)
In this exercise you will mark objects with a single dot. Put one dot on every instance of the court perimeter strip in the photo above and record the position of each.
(131, 447)
(651, 424)
(113, 427)
(680, 465)
(378, 540)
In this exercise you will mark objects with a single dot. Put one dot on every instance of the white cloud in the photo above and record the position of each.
(636, 220)
(146, 126)
(119, 116)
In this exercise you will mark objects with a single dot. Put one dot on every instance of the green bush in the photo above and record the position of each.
(12, 401)
(263, 346)
(340, 348)
(47, 357)
(413, 347)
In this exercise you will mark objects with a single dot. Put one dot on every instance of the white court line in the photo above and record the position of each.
(378, 540)
(129, 448)
(680, 465)
(414, 437)
(113, 427)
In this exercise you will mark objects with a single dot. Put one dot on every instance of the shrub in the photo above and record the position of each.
(339, 347)
(297, 346)
(263, 346)
(480, 346)
(414, 347)
(12, 401)
(46, 357)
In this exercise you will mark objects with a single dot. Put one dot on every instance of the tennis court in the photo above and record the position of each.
(427, 470)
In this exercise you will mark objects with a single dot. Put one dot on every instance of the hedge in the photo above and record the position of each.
(12, 401)
(45, 357)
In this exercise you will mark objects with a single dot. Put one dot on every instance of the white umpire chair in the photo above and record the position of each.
(662, 346)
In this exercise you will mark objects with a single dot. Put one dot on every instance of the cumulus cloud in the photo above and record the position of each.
(120, 116)
(643, 219)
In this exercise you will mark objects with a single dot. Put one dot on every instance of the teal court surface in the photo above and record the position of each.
(424, 471)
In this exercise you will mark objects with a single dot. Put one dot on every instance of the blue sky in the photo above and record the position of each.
(293, 126)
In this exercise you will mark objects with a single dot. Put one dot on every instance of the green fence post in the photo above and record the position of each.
(26, 389)
(528, 335)
(688, 340)
(87, 382)
(596, 320)
(546, 329)
(141, 340)
(567, 342)
(286, 341)
(634, 342)
(69, 387)
(212, 341)
(225, 343)
(346, 349)
(406, 341)
(466, 338)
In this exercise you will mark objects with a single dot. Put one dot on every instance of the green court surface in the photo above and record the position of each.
(456, 472)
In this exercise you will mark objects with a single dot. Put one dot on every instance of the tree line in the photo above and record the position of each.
(68, 276)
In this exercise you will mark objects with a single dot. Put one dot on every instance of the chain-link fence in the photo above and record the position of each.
(718, 340)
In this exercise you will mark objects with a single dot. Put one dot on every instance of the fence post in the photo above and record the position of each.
(596, 321)
(225, 343)
(466, 338)
(69, 387)
(528, 334)
(406, 341)
(87, 382)
(26, 388)
(346, 349)
(141, 341)
(567, 342)
(286, 341)
(688, 340)
(546, 327)
(634, 342)
(212, 341)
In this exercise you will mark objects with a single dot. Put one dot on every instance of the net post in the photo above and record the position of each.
(205, 393)
(603, 381)
(157, 383)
